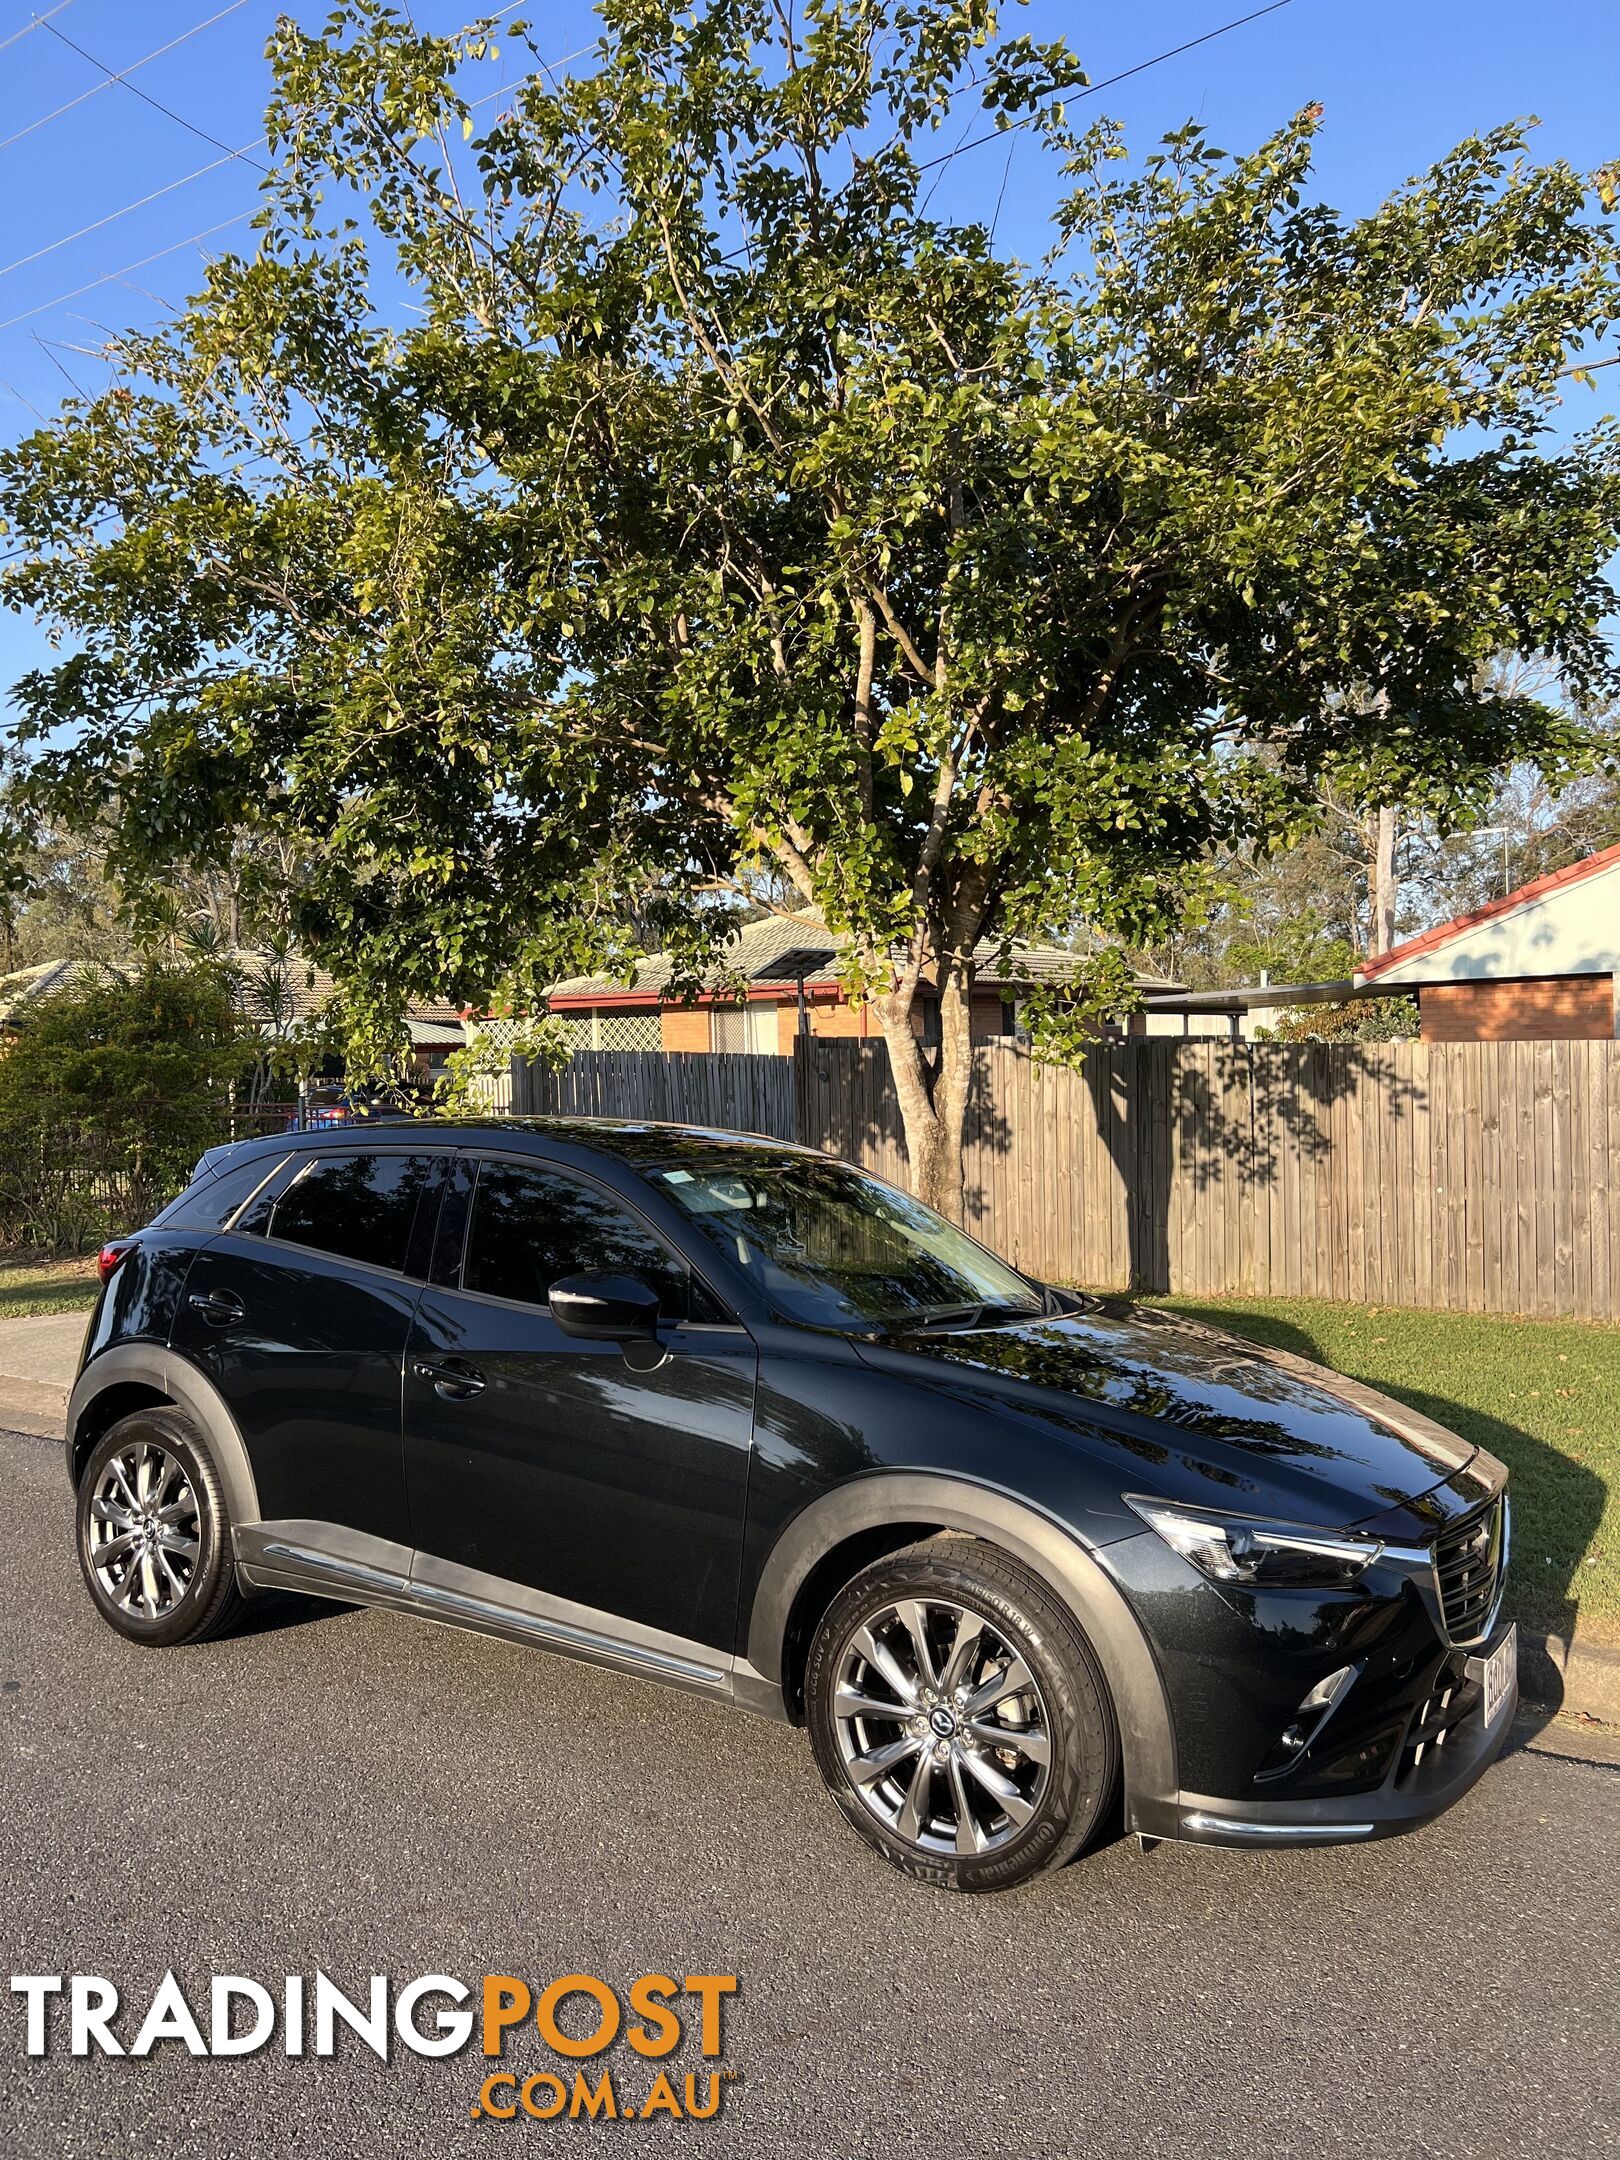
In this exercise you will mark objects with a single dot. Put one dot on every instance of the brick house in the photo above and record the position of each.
(786, 962)
(1542, 962)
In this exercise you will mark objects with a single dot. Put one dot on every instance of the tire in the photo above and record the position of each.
(906, 1781)
(154, 1533)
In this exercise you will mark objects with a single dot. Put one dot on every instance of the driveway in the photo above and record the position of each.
(356, 1792)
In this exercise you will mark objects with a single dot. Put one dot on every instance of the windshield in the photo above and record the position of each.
(837, 1249)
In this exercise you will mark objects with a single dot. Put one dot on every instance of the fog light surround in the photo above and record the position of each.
(1316, 1706)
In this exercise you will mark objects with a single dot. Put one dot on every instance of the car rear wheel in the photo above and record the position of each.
(960, 1718)
(154, 1533)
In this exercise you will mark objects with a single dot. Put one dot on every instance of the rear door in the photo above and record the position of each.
(612, 1480)
(299, 1315)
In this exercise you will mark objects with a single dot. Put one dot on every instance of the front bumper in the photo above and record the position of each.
(1424, 1779)
(1404, 1734)
(1413, 1793)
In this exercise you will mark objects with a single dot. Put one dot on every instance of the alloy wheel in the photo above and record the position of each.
(941, 1726)
(145, 1531)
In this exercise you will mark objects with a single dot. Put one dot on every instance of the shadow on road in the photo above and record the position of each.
(269, 1611)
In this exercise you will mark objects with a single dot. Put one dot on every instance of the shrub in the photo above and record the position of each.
(109, 1090)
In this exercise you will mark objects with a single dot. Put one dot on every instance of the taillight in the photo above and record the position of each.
(111, 1257)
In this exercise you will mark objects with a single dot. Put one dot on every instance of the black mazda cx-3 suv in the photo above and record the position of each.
(734, 1415)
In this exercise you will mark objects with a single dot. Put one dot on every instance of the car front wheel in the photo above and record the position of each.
(154, 1533)
(960, 1718)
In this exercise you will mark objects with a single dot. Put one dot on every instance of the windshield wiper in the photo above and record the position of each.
(967, 1316)
(945, 1316)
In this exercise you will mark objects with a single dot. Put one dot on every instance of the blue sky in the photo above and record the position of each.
(1401, 80)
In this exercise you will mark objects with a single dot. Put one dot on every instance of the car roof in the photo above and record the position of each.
(630, 1140)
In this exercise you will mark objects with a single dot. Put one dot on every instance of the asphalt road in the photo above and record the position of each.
(363, 1794)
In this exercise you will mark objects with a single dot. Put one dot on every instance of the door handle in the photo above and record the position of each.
(218, 1307)
(455, 1383)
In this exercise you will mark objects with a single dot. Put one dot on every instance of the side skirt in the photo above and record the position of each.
(322, 1559)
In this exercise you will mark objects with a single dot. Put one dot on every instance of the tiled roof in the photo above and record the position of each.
(274, 992)
(31, 982)
(1428, 941)
(759, 948)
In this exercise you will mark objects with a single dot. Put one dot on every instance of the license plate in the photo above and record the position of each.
(1496, 1673)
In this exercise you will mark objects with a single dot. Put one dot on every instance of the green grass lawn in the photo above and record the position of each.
(1543, 1395)
(46, 1286)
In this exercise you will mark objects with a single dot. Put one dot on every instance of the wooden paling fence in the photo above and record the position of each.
(1481, 1177)
(735, 1094)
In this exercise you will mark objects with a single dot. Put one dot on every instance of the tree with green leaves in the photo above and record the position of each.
(123, 1050)
(717, 508)
(110, 1088)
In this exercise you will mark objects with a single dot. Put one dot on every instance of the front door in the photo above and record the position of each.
(298, 1314)
(611, 1480)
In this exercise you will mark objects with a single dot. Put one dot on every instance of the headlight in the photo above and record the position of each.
(1253, 1549)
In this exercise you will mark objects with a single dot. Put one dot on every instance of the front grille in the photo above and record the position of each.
(1468, 1570)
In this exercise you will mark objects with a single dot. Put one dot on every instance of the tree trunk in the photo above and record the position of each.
(933, 1092)
(1382, 895)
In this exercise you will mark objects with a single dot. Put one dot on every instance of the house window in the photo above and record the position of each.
(743, 1030)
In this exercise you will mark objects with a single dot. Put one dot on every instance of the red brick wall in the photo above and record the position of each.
(825, 1019)
(684, 1029)
(840, 1019)
(844, 1021)
(1557, 1007)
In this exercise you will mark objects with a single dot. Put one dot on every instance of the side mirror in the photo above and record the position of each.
(605, 1307)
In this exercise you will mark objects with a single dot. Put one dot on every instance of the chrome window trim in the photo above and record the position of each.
(341, 1260)
(248, 1199)
(219, 1229)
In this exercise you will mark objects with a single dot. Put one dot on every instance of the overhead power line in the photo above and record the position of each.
(111, 277)
(1174, 52)
(36, 23)
(146, 98)
(120, 75)
(140, 203)
(185, 180)
(995, 135)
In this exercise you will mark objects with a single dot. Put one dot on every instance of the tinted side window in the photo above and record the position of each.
(532, 1226)
(357, 1207)
(211, 1202)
